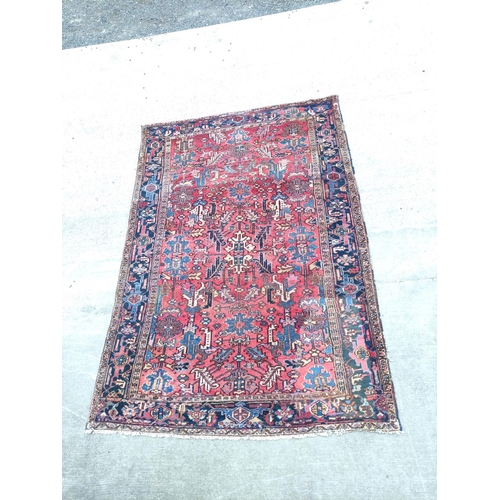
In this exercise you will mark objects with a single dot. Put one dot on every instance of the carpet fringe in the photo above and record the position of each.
(325, 433)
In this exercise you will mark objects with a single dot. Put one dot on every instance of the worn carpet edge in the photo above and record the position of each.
(177, 435)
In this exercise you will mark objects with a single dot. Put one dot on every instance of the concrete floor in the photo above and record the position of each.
(378, 57)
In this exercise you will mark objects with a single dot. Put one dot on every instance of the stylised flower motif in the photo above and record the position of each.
(140, 269)
(334, 176)
(362, 353)
(167, 327)
(298, 189)
(128, 330)
(133, 300)
(350, 289)
(348, 406)
(319, 409)
(161, 413)
(302, 245)
(239, 191)
(121, 360)
(342, 231)
(240, 324)
(148, 212)
(150, 187)
(130, 411)
(284, 413)
(143, 241)
(182, 197)
(197, 415)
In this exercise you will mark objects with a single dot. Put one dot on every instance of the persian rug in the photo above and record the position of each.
(246, 304)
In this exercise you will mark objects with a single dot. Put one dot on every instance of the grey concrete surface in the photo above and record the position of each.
(378, 56)
(90, 22)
